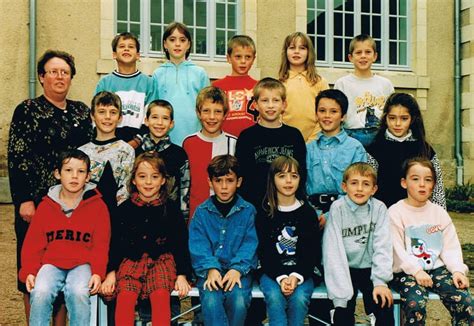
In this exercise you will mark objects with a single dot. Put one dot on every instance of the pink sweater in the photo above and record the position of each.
(424, 238)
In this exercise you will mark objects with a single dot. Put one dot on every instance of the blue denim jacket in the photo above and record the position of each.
(326, 160)
(223, 242)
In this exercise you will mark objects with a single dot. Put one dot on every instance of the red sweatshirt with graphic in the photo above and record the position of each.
(67, 242)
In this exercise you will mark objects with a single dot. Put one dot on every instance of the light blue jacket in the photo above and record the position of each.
(221, 242)
(180, 85)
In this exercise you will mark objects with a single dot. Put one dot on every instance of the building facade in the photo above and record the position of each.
(415, 40)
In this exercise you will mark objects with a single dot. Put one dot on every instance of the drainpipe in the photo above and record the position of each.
(32, 50)
(457, 94)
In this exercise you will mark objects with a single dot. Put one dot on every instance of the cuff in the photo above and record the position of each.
(280, 278)
(298, 276)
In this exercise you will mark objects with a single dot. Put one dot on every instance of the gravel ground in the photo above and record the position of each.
(11, 303)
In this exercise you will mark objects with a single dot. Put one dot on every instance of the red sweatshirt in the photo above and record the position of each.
(66, 242)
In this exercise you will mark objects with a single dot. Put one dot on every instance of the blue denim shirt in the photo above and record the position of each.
(222, 242)
(326, 160)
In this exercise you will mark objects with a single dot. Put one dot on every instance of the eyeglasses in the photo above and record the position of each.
(56, 73)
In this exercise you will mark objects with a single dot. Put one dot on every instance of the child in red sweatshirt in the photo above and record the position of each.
(67, 243)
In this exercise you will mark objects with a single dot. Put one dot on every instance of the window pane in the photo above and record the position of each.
(402, 53)
(347, 41)
(321, 48)
(201, 44)
(402, 32)
(349, 5)
(135, 29)
(155, 37)
(393, 7)
(122, 10)
(376, 27)
(365, 21)
(169, 11)
(231, 13)
(220, 15)
(201, 17)
(121, 27)
(365, 6)
(349, 25)
(321, 23)
(378, 48)
(188, 17)
(376, 6)
(393, 28)
(321, 4)
(338, 5)
(310, 18)
(338, 50)
(135, 11)
(402, 7)
(310, 4)
(393, 53)
(155, 14)
(220, 43)
(338, 24)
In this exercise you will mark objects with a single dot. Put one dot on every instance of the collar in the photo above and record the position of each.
(353, 206)
(341, 136)
(213, 139)
(239, 205)
(149, 144)
(104, 142)
(294, 74)
(408, 136)
(293, 207)
(135, 198)
(118, 74)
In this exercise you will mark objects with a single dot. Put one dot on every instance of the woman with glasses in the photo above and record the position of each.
(41, 128)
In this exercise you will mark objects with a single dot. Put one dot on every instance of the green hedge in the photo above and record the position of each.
(460, 198)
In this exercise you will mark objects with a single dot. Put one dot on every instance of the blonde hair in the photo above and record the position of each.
(361, 168)
(270, 84)
(310, 66)
(214, 94)
(280, 164)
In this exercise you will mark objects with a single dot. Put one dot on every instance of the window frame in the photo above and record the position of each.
(384, 39)
(211, 27)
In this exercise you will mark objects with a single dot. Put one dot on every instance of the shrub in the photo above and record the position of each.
(460, 198)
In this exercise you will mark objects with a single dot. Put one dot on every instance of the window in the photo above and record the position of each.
(211, 23)
(333, 23)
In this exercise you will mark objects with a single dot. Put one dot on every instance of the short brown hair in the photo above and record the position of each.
(362, 38)
(270, 84)
(423, 161)
(163, 104)
(106, 99)
(125, 36)
(215, 94)
(361, 168)
(50, 54)
(223, 164)
(241, 40)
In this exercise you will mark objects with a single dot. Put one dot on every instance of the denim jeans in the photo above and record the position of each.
(229, 308)
(365, 136)
(73, 282)
(291, 310)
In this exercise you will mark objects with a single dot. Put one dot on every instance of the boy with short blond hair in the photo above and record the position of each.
(134, 88)
(201, 147)
(366, 91)
(357, 249)
(66, 247)
(111, 158)
(260, 144)
(238, 85)
(160, 120)
(331, 152)
(223, 261)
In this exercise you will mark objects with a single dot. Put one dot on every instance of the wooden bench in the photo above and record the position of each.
(99, 309)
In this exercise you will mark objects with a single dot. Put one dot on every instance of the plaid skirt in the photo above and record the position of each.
(147, 275)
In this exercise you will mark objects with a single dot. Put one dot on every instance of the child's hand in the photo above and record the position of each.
(214, 280)
(423, 279)
(286, 286)
(322, 221)
(231, 278)
(182, 286)
(94, 284)
(108, 286)
(385, 295)
(460, 280)
(30, 282)
(27, 210)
